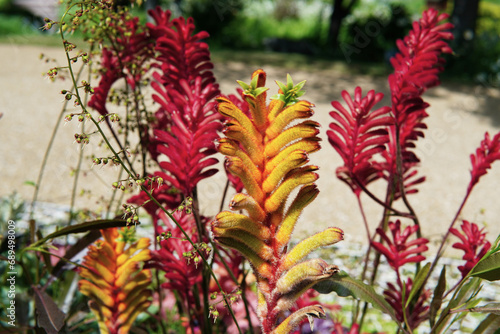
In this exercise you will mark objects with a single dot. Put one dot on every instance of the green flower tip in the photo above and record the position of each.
(252, 89)
(289, 93)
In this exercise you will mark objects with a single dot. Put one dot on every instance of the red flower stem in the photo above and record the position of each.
(367, 255)
(362, 211)
(399, 167)
(376, 261)
(443, 242)
(379, 201)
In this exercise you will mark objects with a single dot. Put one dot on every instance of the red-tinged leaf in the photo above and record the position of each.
(49, 316)
(83, 227)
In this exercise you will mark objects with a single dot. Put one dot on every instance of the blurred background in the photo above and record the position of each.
(345, 31)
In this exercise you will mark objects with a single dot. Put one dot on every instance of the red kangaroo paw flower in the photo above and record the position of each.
(357, 134)
(399, 250)
(472, 238)
(486, 154)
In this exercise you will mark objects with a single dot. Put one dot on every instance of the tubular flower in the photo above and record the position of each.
(131, 50)
(185, 88)
(418, 313)
(487, 153)
(357, 135)
(114, 281)
(401, 251)
(472, 239)
(416, 69)
(268, 151)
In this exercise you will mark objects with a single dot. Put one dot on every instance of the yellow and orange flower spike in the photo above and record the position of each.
(114, 281)
(268, 150)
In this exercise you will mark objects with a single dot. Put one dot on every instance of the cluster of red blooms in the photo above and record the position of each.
(380, 143)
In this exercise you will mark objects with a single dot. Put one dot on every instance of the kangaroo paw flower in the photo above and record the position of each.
(268, 149)
(114, 281)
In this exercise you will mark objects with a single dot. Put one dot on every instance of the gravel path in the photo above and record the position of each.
(459, 117)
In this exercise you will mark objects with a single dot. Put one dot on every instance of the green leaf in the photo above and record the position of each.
(464, 296)
(30, 183)
(437, 299)
(243, 85)
(281, 86)
(345, 286)
(289, 81)
(419, 280)
(488, 268)
(489, 325)
(254, 82)
(259, 90)
(83, 227)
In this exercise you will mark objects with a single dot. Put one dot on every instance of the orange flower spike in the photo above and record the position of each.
(308, 145)
(305, 176)
(293, 160)
(236, 167)
(269, 154)
(113, 281)
(293, 320)
(228, 109)
(230, 220)
(235, 131)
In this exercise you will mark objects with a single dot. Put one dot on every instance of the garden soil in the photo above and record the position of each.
(459, 116)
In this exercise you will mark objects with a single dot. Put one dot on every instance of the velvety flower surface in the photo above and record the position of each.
(185, 88)
(418, 312)
(473, 243)
(357, 134)
(114, 280)
(399, 249)
(267, 149)
(487, 153)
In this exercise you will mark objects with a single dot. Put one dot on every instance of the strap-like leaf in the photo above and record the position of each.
(488, 268)
(345, 286)
(419, 280)
(83, 227)
(489, 325)
(437, 299)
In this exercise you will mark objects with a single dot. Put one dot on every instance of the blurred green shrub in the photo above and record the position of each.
(370, 32)
(482, 62)
(212, 15)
